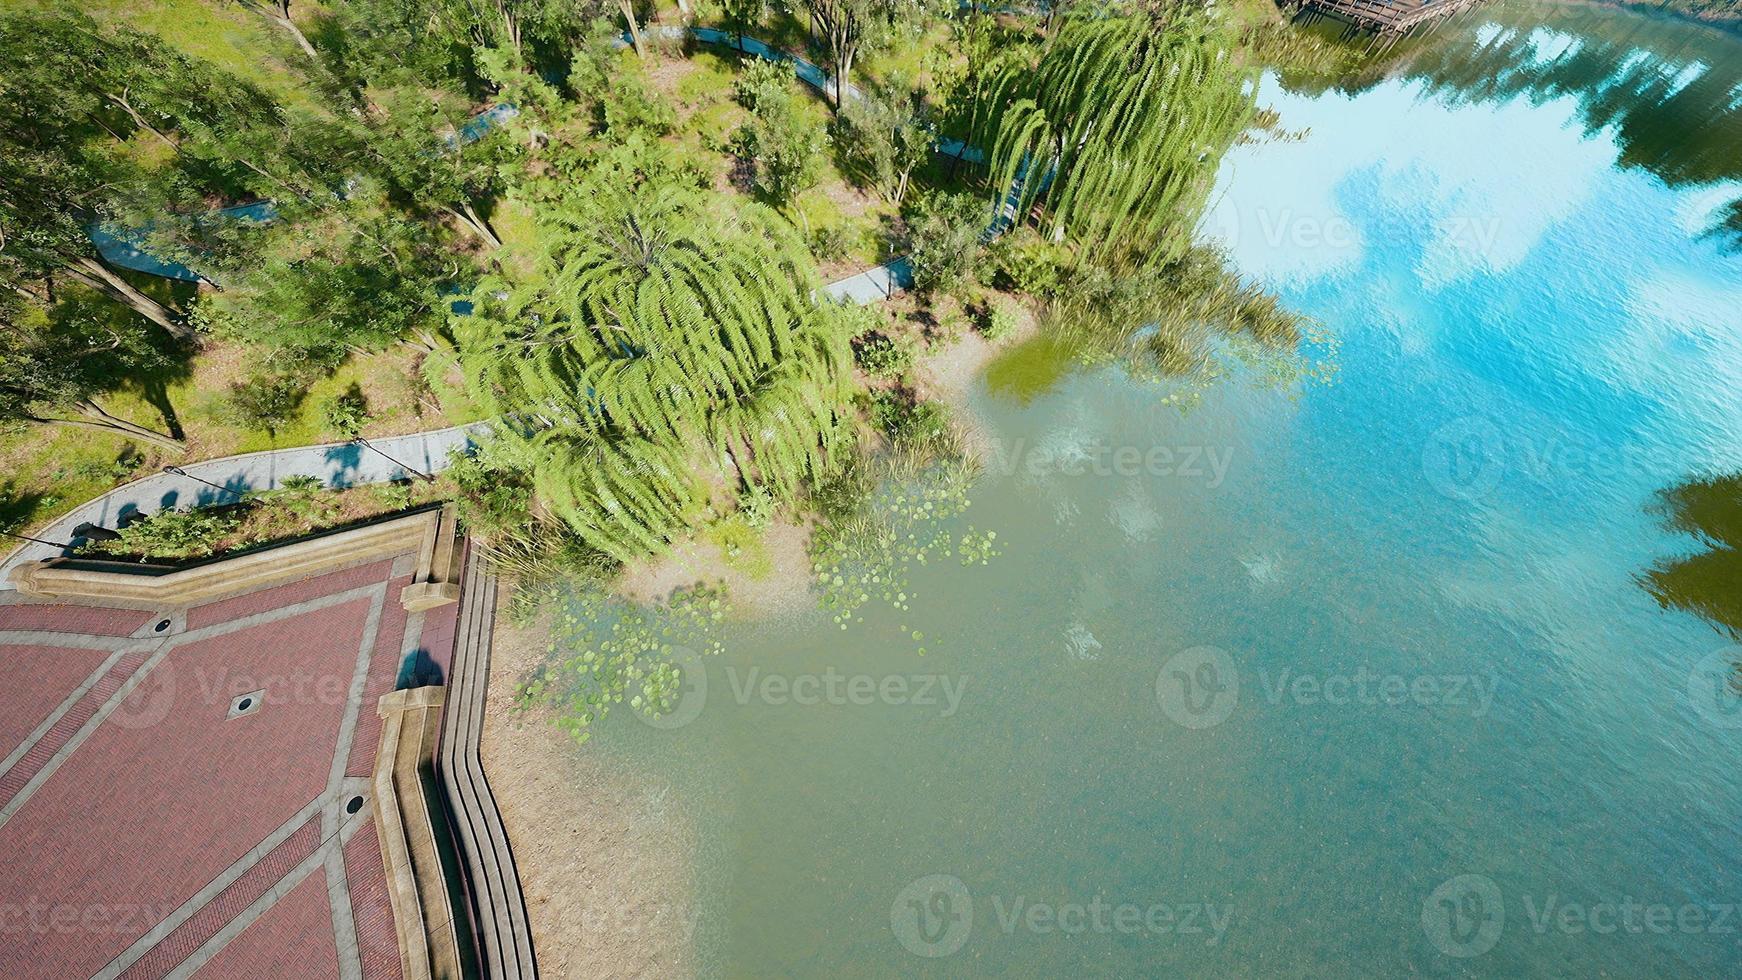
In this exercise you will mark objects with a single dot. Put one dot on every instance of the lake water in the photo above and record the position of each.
(1361, 681)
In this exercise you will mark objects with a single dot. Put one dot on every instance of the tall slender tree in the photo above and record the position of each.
(1119, 128)
(51, 182)
(278, 13)
(416, 142)
(843, 26)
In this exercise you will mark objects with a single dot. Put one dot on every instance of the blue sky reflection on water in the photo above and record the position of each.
(1535, 342)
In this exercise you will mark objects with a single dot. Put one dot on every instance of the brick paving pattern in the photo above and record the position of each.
(133, 806)
(383, 671)
(42, 752)
(377, 942)
(32, 695)
(293, 939)
(225, 610)
(231, 902)
(89, 620)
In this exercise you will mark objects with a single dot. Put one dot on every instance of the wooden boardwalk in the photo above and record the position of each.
(1388, 20)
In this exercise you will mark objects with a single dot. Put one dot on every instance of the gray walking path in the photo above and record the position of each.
(337, 465)
(346, 465)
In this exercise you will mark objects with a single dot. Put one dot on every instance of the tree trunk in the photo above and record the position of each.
(139, 120)
(104, 422)
(628, 8)
(844, 69)
(479, 226)
(98, 276)
(296, 32)
(746, 461)
(738, 468)
(511, 24)
(280, 181)
(421, 340)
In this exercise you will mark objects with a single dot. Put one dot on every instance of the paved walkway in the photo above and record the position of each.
(338, 465)
(188, 790)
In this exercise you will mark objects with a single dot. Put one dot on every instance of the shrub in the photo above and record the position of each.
(783, 146)
(831, 242)
(999, 323)
(757, 506)
(174, 534)
(122, 466)
(344, 414)
(785, 152)
(883, 137)
(882, 356)
(944, 234)
(1028, 265)
(304, 496)
(761, 85)
(266, 401)
(630, 106)
(908, 423)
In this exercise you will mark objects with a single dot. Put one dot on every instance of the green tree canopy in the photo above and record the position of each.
(56, 361)
(1119, 128)
(660, 341)
(101, 125)
(321, 290)
(416, 145)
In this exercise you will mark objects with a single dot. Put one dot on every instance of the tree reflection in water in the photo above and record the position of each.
(1707, 583)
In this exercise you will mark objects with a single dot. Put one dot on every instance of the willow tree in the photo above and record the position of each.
(1117, 131)
(658, 345)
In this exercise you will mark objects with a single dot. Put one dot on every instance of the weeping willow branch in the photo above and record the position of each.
(1116, 134)
(656, 340)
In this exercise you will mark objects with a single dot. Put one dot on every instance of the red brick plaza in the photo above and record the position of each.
(188, 791)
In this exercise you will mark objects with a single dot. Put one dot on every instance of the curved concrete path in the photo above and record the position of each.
(336, 465)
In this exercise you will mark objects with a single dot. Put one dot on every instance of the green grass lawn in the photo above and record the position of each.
(224, 34)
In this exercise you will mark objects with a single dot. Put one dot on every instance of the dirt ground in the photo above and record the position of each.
(780, 585)
(946, 374)
(605, 862)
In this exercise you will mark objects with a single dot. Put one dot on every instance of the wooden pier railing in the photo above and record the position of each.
(1388, 20)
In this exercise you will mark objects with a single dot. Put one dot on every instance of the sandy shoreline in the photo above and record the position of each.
(605, 861)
